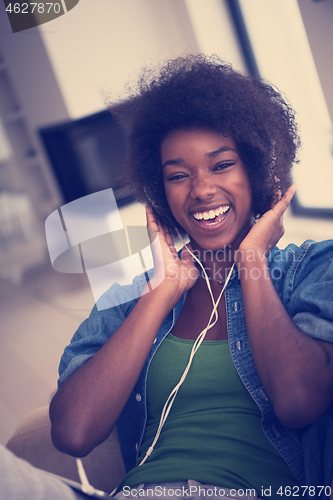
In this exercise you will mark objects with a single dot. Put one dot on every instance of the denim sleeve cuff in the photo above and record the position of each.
(72, 366)
(315, 326)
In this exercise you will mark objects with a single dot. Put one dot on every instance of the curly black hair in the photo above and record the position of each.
(199, 92)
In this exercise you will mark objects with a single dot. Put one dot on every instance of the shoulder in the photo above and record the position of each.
(108, 314)
(112, 308)
(120, 295)
(298, 262)
(303, 278)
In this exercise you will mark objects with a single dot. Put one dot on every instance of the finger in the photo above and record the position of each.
(153, 225)
(281, 206)
(151, 219)
(168, 237)
(291, 191)
(186, 254)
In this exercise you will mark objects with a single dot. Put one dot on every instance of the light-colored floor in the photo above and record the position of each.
(38, 318)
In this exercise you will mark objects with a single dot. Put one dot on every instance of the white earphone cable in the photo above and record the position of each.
(196, 345)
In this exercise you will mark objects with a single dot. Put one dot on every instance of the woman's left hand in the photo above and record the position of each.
(265, 234)
(296, 370)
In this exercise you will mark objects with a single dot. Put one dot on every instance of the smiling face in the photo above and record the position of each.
(207, 188)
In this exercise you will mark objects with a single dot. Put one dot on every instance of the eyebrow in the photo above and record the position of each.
(178, 161)
(212, 154)
(221, 150)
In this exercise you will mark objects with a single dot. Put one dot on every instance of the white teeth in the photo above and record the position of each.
(212, 213)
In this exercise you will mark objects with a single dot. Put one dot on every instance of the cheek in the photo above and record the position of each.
(243, 186)
(247, 203)
(168, 197)
(173, 196)
(175, 205)
(244, 197)
(175, 210)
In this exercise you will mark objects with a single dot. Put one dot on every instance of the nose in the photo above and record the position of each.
(203, 186)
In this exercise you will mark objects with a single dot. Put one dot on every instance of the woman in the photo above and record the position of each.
(210, 153)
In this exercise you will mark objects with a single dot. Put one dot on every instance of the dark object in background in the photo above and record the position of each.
(87, 155)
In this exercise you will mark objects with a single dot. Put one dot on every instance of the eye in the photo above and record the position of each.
(223, 166)
(177, 177)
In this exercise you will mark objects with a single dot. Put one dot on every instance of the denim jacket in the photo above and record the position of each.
(303, 279)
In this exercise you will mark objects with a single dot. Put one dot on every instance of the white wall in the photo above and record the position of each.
(100, 44)
(214, 30)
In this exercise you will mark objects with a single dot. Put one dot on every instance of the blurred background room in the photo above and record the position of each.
(57, 144)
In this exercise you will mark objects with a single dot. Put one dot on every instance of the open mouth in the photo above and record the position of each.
(212, 217)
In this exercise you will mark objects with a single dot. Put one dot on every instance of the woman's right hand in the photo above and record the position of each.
(171, 272)
(88, 404)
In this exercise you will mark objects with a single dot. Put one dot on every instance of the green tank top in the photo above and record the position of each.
(213, 433)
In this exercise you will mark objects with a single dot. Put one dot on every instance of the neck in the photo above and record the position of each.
(217, 263)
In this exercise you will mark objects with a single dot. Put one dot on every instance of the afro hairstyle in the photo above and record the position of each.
(199, 92)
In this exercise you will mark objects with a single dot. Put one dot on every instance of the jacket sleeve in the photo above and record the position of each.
(310, 301)
(101, 324)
